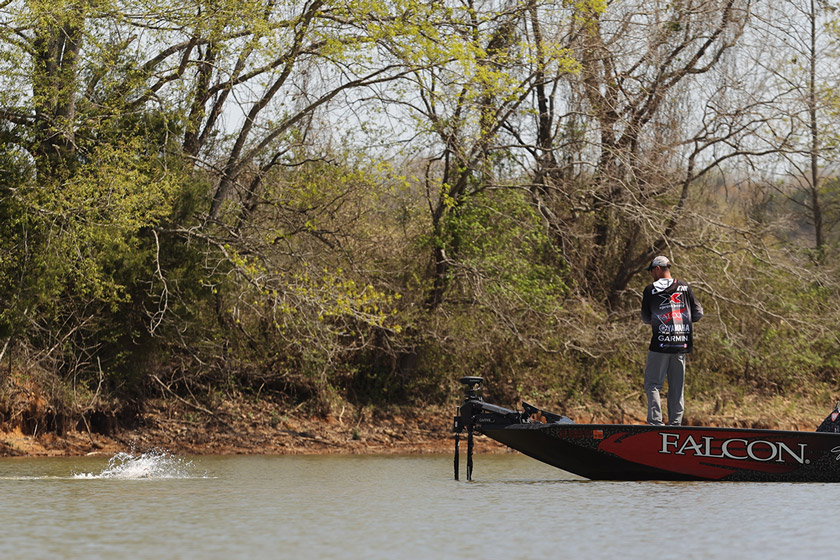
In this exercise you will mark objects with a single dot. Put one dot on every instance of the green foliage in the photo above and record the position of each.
(79, 253)
(89, 225)
(506, 255)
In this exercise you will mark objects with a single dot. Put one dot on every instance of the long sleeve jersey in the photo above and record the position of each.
(670, 308)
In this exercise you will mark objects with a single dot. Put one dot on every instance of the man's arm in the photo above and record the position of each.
(646, 306)
(696, 308)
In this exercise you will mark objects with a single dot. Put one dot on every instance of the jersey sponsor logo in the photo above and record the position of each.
(675, 328)
(672, 316)
(671, 301)
(672, 338)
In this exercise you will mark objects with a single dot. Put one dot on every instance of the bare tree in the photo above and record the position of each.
(631, 132)
(795, 51)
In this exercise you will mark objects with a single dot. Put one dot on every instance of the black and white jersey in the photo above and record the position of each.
(670, 308)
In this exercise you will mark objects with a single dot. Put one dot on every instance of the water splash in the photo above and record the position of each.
(156, 463)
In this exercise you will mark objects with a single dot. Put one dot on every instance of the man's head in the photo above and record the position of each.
(660, 267)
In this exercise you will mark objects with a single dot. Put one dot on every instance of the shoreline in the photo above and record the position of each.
(177, 432)
(261, 428)
(378, 442)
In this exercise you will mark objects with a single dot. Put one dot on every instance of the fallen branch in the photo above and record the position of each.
(183, 400)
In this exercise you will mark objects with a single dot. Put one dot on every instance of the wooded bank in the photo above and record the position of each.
(347, 205)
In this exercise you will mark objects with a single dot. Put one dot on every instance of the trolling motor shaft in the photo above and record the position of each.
(475, 415)
(464, 420)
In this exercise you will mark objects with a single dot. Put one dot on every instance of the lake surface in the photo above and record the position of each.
(352, 507)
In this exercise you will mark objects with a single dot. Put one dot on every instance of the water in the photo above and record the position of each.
(160, 506)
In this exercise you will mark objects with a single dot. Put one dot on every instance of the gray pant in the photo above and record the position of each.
(658, 368)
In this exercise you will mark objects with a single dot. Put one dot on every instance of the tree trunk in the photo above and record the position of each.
(57, 47)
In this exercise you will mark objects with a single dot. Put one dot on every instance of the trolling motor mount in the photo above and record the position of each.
(464, 419)
(475, 415)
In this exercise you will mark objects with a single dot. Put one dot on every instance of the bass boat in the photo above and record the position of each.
(646, 452)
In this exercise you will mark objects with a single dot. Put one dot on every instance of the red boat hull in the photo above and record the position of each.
(643, 452)
(632, 452)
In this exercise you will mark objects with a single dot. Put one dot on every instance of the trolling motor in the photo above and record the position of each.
(464, 420)
(476, 415)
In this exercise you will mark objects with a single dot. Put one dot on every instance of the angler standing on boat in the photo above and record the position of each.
(669, 307)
